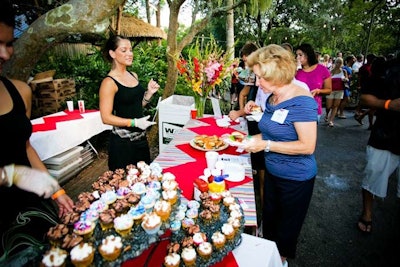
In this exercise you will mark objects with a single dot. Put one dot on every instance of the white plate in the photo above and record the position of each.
(234, 171)
(193, 144)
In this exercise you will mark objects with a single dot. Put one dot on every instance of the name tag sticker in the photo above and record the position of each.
(279, 115)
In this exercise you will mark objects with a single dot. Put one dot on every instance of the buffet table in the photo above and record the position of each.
(184, 161)
(59, 132)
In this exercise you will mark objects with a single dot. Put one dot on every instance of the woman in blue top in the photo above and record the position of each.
(288, 137)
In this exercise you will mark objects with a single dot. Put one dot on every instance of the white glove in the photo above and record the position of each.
(143, 123)
(31, 180)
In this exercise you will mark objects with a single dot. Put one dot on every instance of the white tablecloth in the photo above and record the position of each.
(257, 252)
(67, 135)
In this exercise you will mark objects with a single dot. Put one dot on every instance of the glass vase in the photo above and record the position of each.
(200, 104)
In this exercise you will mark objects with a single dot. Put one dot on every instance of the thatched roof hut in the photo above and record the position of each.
(135, 28)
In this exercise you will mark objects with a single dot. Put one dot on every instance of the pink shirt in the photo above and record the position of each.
(315, 80)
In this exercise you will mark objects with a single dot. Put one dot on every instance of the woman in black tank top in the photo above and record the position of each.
(122, 99)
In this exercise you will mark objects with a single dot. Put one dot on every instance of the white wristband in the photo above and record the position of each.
(268, 146)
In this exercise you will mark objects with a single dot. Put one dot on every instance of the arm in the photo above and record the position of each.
(243, 96)
(63, 201)
(376, 103)
(305, 145)
(108, 89)
(152, 88)
(326, 88)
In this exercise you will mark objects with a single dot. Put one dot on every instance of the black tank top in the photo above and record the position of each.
(16, 128)
(128, 102)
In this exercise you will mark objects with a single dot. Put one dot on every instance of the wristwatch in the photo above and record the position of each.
(268, 146)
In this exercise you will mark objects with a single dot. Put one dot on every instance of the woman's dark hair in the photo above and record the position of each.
(378, 66)
(248, 48)
(112, 44)
(7, 13)
(309, 51)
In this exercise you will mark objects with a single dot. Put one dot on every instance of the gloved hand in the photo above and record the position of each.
(31, 180)
(143, 123)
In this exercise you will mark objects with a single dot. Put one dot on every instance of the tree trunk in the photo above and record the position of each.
(230, 32)
(53, 27)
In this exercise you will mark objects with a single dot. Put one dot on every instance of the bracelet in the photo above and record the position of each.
(145, 100)
(268, 146)
(58, 194)
(129, 123)
(387, 102)
(132, 123)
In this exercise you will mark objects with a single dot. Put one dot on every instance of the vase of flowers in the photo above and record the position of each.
(203, 69)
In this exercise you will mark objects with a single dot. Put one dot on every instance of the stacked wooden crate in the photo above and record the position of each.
(50, 94)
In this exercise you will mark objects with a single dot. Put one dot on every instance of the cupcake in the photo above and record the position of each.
(218, 240)
(110, 247)
(151, 223)
(56, 234)
(192, 213)
(180, 215)
(55, 257)
(84, 228)
(169, 185)
(175, 226)
(106, 219)
(99, 206)
(171, 196)
(228, 231)
(206, 216)
(139, 188)
(132, 198)
(123, 224)
(216, 197)
(199, 238)
(154, 185)
(229, 200)
(237, 214)
(148, 202)
(235, 223)
(90, 215)
(82, 255)
(109, 197)
(204, 250)
(189, 256)
(187, 222)
(163, 209)
(121, 206)
(122, 192)
(215, 211)
(71, 240)
(193, 204)
(137, 213)
(167, 176)
(172, 260)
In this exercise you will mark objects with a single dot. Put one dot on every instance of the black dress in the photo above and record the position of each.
(124, 151)
(16, 129)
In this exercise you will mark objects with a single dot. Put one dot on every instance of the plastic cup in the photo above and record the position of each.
(70, 105)
(81, 105)
(211, 158)
(193, 113)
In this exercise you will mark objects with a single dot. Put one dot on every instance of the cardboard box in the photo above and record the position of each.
(174, 113)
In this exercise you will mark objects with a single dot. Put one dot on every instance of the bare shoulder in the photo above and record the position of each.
(23, 88)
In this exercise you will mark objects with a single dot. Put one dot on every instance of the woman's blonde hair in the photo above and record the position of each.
(277, 65)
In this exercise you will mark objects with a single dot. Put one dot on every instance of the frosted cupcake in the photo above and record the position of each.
(169, 185)
(229, 200)
(189, 256)
(109, 197)
(84, 228)
(123, 224)
(176, 226)
(55, 257)
(199, 238)
(151, 223)
(111, 247)
(90, 215)
(192, 213)
(148, 202)
(106, 219)
(137, 213)
(171, 196)
(228, 231)
(218, 240)
(56, 234)
(167, 176)
(82, 255)
(139, 188)
(187, 222)
(193, 204)
(235, 223)
(205, 250)
(163, 209)
(172, 260)
(122, 192)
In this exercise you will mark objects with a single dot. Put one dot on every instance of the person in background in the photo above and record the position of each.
(246, 76)
(234, 85)
(358, 63)
(382, 93)
(363, 76)
(122, 99)
(30, 197)
(339, 78)
(347, 86)
(288, 139)
(315, 75)
(326, 61)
